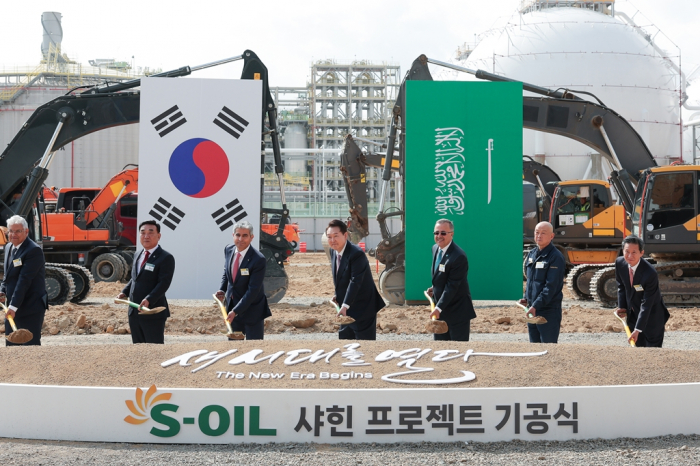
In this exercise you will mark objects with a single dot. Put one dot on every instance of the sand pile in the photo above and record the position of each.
(140, 365)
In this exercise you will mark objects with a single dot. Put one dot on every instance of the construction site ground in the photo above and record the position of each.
(306, 301)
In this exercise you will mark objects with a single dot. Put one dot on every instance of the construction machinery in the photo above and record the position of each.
(25, 162)
(666, 215)
(560, 112)
(80, 232)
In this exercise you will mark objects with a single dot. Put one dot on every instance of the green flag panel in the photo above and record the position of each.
(464, 162)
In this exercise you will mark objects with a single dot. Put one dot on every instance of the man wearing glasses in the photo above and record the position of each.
(545, 279)
(151, 274)
(24, 285)
(450, 290)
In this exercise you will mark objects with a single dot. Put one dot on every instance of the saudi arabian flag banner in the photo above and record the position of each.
(464, 162)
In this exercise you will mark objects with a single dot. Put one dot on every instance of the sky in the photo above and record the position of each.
(287, 35)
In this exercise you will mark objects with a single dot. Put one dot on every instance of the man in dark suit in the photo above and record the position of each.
(242, 284)
(24, 286)
(355, 291)
(638, 295)
(450, 290)
(151, 274)
(545, 267)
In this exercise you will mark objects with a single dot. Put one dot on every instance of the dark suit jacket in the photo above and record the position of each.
(451, 288)
(151, 285)
(646, 310)
(354, 284)
(246, 295)
(25, 286)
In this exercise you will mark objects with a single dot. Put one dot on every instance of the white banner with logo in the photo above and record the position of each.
(199, 171)
(162, 415)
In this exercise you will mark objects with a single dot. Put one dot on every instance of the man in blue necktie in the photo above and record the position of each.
(450, 290)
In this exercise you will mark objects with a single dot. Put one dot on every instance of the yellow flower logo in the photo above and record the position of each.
(144, 404)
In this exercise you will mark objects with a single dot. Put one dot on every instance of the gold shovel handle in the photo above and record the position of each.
(224, 313)
(432, 304)
(627, 329)
(9, 317)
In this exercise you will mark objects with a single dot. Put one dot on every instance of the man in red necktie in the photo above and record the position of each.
(638, 295)
(151, 275)
(241, 286)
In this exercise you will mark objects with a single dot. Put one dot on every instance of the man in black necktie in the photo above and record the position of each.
(151, 275)
(355, 291)
(23, 285)
(638, 295)
(450, 290)
(242, 287)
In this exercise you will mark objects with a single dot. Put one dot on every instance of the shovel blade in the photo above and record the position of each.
(20, 337)
(436, 326)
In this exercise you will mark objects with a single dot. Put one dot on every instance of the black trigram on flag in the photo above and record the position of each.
(167, 213)
(168, 121)
(223, 216)
(230, 122)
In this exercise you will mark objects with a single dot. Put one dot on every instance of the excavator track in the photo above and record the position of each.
(679, 283)
(604, 287)
(578, 280)
(82, 278)
(392, 284)
(59, 285)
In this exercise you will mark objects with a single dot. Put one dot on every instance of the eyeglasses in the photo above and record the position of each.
(442, 233)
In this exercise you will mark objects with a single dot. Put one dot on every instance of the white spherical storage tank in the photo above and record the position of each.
(584, 50)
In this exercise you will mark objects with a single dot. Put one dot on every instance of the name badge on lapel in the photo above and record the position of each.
(149, 267)
(638, 288)
(540, 265)
(17, 262)
(441, 267)
(245, 272)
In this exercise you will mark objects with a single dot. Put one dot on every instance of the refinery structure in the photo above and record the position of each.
(588, 46)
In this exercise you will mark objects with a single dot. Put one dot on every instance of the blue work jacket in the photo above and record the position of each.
(545, 278)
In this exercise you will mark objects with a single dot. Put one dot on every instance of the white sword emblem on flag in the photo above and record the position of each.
(489, 149)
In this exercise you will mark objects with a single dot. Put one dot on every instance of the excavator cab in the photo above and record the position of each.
(583, 212)
(666, 209)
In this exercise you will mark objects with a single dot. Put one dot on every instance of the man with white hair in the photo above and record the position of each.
(23, 287)
(241, 286)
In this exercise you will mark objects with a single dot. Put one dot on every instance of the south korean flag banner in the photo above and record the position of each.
(199, 164)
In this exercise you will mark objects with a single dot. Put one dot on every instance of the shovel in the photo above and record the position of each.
(141, 309)
(18, 337)
(434, 326)
(627, 329)
(344, 320)
(231, 334)
(529, 318)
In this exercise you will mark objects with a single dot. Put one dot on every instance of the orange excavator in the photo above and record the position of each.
(81, 234)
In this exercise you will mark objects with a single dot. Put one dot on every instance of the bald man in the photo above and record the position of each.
(546, 268)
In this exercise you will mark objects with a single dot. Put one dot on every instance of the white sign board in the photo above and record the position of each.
(199, 171)
(161, 415)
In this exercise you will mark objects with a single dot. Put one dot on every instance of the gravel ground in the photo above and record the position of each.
(668, 450)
